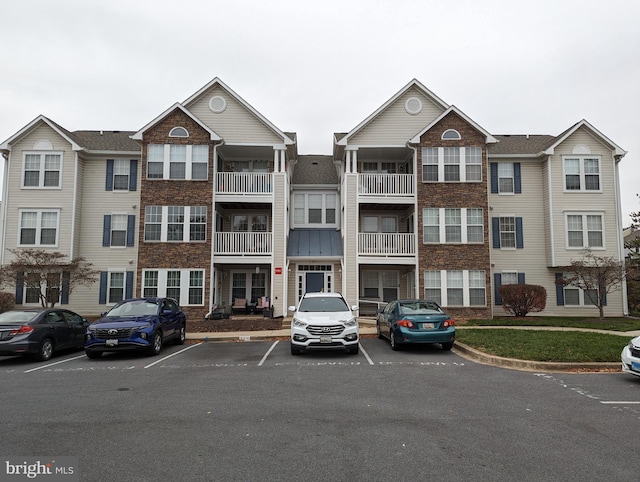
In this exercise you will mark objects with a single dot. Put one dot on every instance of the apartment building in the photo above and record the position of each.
(211, 203)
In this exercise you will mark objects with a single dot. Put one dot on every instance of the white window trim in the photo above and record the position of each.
(126, 229)
(324, 208)
(462, 165)
(43, 291)
(581, 298)
(127, 163)
(581, 158)
(184, 284)
(585, 237)
(164, 226)
(42, 155)
(512, 177)
(464, 227)
(465, 289)
(166, 164)
(124, 284)
(38, 228)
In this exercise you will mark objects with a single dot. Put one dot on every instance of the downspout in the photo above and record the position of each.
(620, 227)
(5, 197)
(416, 273)
(213, 276)
(74, 205)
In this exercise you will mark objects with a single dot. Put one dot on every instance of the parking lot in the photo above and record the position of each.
(252, 411)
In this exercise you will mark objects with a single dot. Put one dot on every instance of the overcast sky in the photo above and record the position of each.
(315, 68)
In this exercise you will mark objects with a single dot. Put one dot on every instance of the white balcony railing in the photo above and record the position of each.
(244, 183)
(386, 244)
(385, 184)
(241, 243)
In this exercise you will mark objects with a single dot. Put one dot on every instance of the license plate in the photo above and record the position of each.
(635, 366)
(427, 326)
(112, 342)
(325, 339)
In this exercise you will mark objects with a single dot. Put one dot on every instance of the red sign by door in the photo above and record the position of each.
(278, 270)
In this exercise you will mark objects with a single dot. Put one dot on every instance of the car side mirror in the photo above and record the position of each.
(355, 308)
(292, 308)
(166, 312)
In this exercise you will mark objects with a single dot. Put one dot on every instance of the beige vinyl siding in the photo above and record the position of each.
(395, 126)
(236, 125)
(77, 239)
(279, 230)
(350, 287)
(547, 201)
(34, 198)
(597, 202)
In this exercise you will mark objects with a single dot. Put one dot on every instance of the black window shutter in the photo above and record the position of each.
(133, 175)
(106, 230)
(497, 282)
(109, 180)
(131, 227)
(559, 291)
(521, 279)
(103, 288)
(494, 177)
(495, 224)
(66, 278)
(519, 234)
(129, 285)
(517, 179)
(19, 288)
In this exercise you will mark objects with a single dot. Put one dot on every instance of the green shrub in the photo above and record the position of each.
(520, 299)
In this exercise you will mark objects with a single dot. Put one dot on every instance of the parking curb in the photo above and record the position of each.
(529, 365)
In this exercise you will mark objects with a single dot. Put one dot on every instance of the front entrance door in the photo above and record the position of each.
(314, 282)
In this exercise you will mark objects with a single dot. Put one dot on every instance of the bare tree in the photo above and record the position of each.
(596, 276)
(49, 274)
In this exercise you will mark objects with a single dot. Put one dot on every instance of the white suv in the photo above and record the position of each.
(322, 321)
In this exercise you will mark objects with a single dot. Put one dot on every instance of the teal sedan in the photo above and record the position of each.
(408, 322)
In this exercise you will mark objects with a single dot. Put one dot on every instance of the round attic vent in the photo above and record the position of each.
(413, 105)
(217, 104)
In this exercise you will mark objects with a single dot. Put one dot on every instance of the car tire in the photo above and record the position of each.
(395, 346)
(45, 351)
(447, 346)
(378, 330)
(182, 335)
(353, 350)
(295, 350)
(156, 344)
(93, 354)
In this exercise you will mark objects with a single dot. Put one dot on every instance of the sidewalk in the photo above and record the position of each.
(368, 327)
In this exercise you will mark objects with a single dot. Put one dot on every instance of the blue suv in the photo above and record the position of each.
(137, 324)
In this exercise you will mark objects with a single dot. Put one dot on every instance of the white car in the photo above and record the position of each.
(631, 357)
(324, 321)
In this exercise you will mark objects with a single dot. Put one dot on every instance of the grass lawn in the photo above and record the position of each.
(555, 346)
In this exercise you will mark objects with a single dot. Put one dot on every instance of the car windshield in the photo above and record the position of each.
(135, 308)
(419, 308)
(17, 316)
(323, 304)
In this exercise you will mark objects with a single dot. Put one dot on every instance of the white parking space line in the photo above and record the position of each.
(366, 355)
(56, 363)
(620, 403)
(173, 354)
(268, 352)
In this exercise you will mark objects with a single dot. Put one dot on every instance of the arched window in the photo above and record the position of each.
(451, 134)
(178, 132)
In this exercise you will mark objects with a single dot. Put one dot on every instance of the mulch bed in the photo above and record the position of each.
(235, 323)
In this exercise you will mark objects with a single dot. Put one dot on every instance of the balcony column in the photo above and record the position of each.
(279, 159)
(351, 160)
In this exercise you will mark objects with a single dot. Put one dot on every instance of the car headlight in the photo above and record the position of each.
(300, 324)
(351, 322)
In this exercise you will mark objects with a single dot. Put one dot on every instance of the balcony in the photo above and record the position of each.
(386, 185)
(386, 245)
(244, 183)
(243, 244)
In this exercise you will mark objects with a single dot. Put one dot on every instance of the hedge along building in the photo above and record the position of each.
(210, 202)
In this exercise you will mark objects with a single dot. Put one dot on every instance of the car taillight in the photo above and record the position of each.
(22, 330)
(405, 323)
(448, 322)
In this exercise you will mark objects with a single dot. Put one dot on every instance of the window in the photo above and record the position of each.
(42, 170)
(506, 278)
(582, 174)
(370, 284)
(178, 132)
(37, 286)
(508, 232)
(119, 229)
(121, 174)
(451, 164)
(175, 223)
(379, 224)
(253, 223)
(451, 134)
(585, 231)
(186, 286)
(116, 287)
(462, 287)
(505, 177)
(574, 296)
(177, 161)
(38, 228)
(315, 210)
(461, 225)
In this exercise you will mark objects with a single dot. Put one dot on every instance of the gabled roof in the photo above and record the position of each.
(68, 136)
(583, 123)
(414, 83)
(520, 145)
(216, 81)
(138, 135)
(490, 139)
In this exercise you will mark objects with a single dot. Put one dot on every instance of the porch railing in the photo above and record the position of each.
(244, 183)
(386, 244)
(385, 184)
(241, 243)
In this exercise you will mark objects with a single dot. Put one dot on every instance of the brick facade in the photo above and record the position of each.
(455, 195)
